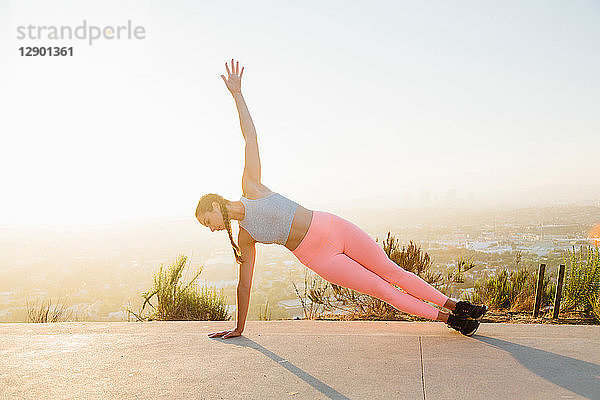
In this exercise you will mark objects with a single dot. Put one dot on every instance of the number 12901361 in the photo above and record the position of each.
(46, 51)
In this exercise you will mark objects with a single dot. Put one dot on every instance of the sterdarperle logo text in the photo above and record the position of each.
(90, 33)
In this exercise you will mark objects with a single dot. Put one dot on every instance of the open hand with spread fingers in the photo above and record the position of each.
(226, 334)
(234, 77)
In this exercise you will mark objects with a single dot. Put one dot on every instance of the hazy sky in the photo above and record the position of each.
(394, 101)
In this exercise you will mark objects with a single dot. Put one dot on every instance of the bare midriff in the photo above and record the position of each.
(300, 223)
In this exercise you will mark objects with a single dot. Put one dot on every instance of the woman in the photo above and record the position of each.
(333, 247)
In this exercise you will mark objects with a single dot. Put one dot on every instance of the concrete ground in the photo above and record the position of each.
(298, 360)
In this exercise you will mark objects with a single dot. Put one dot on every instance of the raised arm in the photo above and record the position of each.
(233, 82)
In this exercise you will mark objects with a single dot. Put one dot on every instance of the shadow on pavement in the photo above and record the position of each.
(578, 376)
(305, 376)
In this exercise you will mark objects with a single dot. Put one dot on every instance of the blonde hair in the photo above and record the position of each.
(205, 205)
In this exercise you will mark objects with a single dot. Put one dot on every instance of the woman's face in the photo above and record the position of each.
(213, 219)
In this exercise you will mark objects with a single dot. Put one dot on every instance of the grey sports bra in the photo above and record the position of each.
(269, 220)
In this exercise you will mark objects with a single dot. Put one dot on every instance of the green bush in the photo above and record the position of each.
(456, 276)
(513, 291)
(596, 306)
(412, 258)
(176, 302)
(582, 279)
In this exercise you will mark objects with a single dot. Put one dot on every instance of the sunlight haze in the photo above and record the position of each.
(356, 105)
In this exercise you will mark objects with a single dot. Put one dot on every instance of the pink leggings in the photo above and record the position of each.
(342, 253)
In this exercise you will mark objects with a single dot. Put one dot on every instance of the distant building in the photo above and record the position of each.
(117, 315)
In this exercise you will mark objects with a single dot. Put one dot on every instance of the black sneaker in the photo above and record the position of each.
(464, 325)
(466, 309)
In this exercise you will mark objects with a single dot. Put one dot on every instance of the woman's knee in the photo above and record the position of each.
(404, 276)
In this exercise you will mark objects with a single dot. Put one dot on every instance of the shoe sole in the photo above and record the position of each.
(470, 333)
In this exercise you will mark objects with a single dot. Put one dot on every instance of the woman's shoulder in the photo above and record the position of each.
(256, 191)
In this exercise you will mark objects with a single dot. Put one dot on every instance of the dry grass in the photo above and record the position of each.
(176, 301)
(42, 313)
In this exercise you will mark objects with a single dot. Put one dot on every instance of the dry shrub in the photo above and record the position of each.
(48, 313)
(179, 302)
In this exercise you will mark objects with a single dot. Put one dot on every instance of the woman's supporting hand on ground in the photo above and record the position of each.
(234, 77)
(226, 334)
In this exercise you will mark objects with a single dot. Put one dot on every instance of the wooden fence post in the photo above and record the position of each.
(538, 291)
(559, 284)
